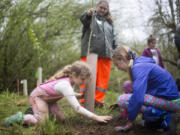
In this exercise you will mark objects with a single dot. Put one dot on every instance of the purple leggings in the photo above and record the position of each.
(149, 100)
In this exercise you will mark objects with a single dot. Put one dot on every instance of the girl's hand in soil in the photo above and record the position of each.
(103, 119)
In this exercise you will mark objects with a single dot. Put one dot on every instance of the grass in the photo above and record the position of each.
(8, 107)
(75, 124)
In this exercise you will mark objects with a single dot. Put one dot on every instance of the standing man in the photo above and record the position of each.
(102, 42)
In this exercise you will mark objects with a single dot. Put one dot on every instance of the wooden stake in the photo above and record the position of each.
(39, 79)
(18, 83)
(7, 129)
(22, 101)
(3, 128)
(25, 90)
(89, 93)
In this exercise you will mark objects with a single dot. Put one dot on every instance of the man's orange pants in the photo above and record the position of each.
(102, 79)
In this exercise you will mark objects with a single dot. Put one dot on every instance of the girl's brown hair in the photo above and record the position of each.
(80, 68)
(122, 53)
(109, 16)
(150, 39)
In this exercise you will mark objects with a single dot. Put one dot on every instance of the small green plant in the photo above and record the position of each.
(49, 127)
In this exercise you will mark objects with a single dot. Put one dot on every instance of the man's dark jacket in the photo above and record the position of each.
(103, 39)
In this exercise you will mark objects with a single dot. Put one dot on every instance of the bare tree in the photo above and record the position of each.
(165, 19)
(178, 11)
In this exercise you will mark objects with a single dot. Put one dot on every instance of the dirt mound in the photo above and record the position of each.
(95, 128)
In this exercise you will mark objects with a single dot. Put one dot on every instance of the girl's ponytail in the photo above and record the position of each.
(65, 72)
(78, 67)
(131, 57)
(124, 52)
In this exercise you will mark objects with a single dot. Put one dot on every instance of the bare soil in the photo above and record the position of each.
(95, 128)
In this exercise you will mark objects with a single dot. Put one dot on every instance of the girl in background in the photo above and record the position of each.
(152, 51)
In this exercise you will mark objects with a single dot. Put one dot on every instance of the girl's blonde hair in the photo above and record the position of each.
(80, 68)
(122, 53)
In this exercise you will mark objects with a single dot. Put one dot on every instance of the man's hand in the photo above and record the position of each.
(91, 12)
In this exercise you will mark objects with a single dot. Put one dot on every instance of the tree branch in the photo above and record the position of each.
(170, 61)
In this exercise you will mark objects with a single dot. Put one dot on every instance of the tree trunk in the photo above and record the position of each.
(178, 11)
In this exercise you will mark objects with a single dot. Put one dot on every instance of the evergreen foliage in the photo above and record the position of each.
(37, 33)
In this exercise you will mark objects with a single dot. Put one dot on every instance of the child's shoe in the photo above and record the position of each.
(16, 118)
(175, 118)
(29, 111)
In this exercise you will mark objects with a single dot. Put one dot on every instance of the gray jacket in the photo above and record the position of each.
(103, 38)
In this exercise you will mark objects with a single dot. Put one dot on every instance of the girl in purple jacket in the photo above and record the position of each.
(153, 52)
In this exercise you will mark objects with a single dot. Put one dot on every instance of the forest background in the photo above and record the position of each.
(47, 34)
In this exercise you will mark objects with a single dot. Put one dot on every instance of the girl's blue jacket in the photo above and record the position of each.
(149, 78)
